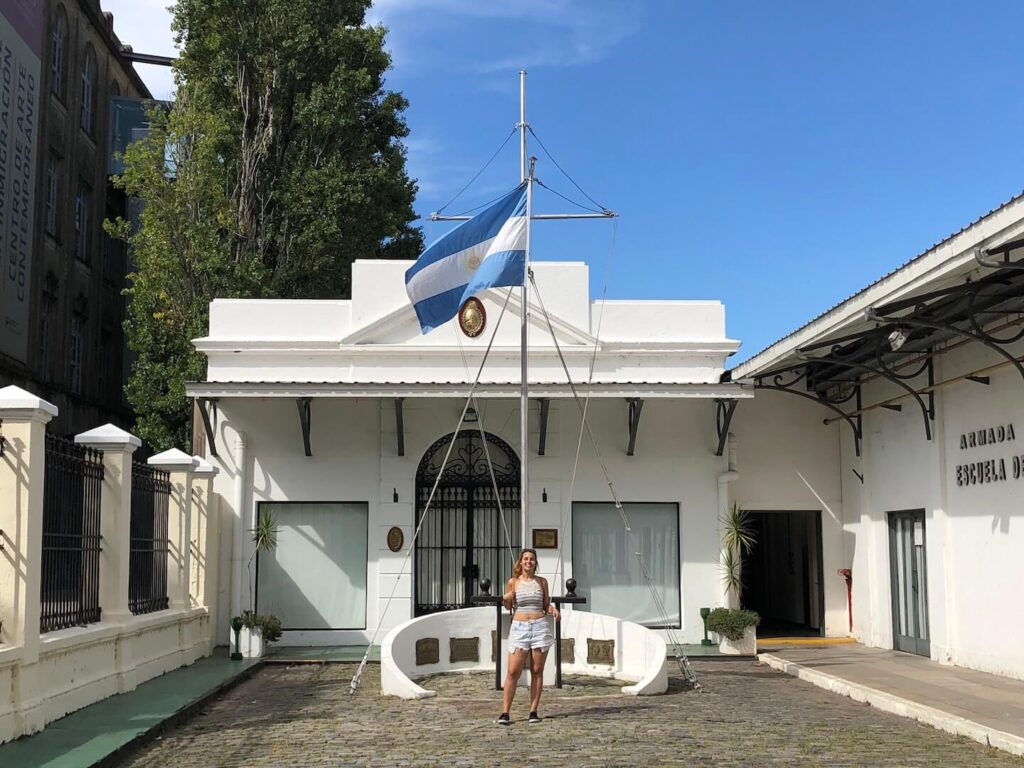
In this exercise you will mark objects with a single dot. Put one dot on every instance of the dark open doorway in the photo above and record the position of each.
(783, 575)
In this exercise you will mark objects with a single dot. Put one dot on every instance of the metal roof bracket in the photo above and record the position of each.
(305, 414)
(545, 406)
(883, 373)
(723, 418)
(208, 426)
(636, 405)
(399, 426)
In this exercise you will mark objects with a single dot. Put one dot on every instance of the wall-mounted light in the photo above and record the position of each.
(544, 495)
(394, 495)
(470, 417)
(897, 339)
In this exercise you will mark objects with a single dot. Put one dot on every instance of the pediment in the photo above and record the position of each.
(400, 328)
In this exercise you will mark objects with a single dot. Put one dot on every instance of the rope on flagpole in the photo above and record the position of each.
(354, 684)
(684, 663)
(477, 175)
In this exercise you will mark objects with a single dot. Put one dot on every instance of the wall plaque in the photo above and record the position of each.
(569, 650)
(600, 651)
(545, 538)
(396, 538)
(464, 649)
(427, 651)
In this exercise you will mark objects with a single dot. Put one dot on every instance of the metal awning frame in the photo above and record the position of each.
(925, 321)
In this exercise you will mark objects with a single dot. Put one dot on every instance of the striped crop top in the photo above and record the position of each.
(529, 596)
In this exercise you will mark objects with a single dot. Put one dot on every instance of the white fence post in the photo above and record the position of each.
(117, 447)
(23, 420)
(180, 466)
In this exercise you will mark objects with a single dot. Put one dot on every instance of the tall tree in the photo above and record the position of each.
(279, 164)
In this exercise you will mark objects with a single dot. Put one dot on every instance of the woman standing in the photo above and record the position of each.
(530, 637)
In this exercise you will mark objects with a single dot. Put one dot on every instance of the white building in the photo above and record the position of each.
(925, 362)
(381, 398)
(333, 415)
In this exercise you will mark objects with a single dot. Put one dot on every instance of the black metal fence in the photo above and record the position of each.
(147, 568)
(71, 535)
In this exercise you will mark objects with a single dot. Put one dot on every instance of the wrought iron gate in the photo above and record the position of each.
(463, 538)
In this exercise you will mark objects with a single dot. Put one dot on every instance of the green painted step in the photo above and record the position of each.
(100, 730)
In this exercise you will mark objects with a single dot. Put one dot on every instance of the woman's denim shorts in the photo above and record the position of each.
(533, 635)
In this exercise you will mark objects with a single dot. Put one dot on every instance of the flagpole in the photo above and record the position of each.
(524, 449)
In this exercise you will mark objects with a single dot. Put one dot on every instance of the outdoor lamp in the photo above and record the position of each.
(897, 339)
(470, 417)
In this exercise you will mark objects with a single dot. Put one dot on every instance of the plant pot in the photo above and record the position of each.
(250, 643)
(745, 646)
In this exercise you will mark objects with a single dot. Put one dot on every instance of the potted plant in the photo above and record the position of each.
(258, 629)
(736, 629)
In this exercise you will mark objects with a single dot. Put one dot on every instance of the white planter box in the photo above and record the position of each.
(250, 642)
(745, 646)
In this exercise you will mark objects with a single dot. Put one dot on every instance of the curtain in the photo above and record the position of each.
(315, 578)
(608, 572)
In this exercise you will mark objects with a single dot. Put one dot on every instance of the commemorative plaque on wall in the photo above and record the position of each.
(395, 538)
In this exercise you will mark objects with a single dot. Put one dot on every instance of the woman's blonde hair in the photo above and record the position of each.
(517, 571)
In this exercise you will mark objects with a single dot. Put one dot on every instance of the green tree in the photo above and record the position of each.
(279, 164)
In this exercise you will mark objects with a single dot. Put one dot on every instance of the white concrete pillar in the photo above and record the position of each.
(117, 447)
(180, 466)
(203, 576)
(23, 420)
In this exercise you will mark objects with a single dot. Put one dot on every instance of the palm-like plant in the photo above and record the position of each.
(737, 540)
(264, 538)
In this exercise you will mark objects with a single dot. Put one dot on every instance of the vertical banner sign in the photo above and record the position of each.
(21, 42)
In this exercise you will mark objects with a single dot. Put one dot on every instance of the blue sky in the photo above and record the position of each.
(776, 156)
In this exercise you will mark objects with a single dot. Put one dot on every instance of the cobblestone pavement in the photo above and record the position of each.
(748, 714)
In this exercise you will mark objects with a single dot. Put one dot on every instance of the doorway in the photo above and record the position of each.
(908, 570)
(464, 538)
(783, 575)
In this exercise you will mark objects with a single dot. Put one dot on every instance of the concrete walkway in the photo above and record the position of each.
(100, 733)
(987, 708)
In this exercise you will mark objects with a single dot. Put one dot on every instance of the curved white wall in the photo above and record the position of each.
(640, 654)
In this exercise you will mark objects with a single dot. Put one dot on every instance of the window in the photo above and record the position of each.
(106, 362)
(47, 312)
(52, 192)
(83, 201)
(75, 351)
(609, 573)
(88, 113)
(315, 578)
(58, 43)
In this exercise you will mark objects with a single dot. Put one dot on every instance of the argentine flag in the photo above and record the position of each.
(487, 251)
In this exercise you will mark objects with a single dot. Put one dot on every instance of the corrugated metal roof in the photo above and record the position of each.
(881, 279)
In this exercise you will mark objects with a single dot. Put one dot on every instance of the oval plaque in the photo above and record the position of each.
(472, 317)
(395, 538)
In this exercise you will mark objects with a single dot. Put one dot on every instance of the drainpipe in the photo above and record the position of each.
(237, 556)
(727, 598)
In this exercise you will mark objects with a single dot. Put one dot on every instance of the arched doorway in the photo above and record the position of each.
(462, 539)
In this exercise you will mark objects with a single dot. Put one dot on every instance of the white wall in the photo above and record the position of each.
(355, 459)
(788, 460)
(974, 532)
